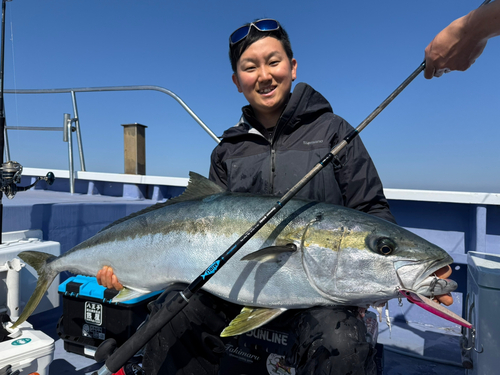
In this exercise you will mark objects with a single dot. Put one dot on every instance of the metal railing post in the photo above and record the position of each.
(69, 139)
(78, 134)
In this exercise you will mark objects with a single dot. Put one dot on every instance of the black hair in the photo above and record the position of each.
(237, 49)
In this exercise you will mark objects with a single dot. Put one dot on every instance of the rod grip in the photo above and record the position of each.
(140, 338)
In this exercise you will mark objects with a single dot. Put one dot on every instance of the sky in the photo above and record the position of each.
(439, 134)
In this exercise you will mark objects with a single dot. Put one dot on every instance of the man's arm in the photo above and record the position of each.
(459, 45)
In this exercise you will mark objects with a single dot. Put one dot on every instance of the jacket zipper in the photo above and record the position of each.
(273, 151)
(273, 163)
(273, 166)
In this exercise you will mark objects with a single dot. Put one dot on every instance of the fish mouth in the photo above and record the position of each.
(419, 277)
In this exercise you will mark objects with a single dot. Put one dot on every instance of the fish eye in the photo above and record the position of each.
(385, 246)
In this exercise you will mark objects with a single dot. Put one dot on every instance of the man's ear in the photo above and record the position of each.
(237, 82)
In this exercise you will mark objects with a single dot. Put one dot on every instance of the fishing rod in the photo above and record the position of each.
(117, 358)
(2, 109)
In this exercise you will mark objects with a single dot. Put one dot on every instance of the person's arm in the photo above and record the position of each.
(459, 45)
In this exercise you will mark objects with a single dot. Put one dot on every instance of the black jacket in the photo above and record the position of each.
(250, 160)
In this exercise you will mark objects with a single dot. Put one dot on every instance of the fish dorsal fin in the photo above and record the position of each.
(198, 187)
(271, 253)
(250, 318)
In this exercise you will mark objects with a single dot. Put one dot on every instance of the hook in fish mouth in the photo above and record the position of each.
(433, 286)
(434, 282)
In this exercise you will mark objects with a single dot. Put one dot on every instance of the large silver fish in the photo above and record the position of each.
(309, 254)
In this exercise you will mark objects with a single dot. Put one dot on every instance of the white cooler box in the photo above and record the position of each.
(32, 351)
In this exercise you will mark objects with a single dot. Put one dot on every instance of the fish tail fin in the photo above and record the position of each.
(38, 261)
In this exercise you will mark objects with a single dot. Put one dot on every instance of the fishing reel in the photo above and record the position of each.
(10, 173)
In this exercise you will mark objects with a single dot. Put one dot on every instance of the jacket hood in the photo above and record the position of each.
(305, 104)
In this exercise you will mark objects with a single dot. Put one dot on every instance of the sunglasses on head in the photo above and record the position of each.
(265, 24)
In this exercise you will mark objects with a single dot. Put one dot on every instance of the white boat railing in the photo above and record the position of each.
(68, 127)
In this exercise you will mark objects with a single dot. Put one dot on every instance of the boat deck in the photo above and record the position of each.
(395, 364)
(427, 352)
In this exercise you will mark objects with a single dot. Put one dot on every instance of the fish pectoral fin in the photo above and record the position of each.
(271, 253)
(250, 318)
(127, 293)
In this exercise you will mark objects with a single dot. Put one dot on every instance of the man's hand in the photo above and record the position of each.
(458, 45)
(108, 279)
(452, 49)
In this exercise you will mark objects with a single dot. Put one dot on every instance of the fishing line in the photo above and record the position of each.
(17, 136)
(14, 71)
